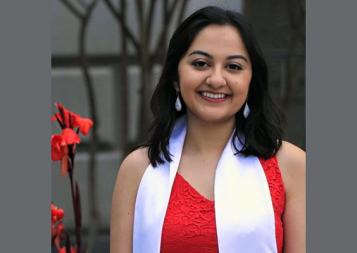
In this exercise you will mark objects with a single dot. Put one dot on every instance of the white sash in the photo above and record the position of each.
(243, 206)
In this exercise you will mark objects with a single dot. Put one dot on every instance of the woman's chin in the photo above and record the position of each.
(212, 118)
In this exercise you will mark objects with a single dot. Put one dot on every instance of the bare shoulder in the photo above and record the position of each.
(134, 164)
(292, 163)
(129, 175)
(291, 155)
(123, 201)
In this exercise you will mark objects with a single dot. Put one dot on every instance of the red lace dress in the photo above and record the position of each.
(190, 226)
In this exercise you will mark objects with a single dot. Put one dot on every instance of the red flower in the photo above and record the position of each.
(57, 227)
(63, 149)
(59, 147)
(84, 124)
(57, 214)
(63, 116)
(56, 148)
(69, 137)
(59, 141)
(69, 119)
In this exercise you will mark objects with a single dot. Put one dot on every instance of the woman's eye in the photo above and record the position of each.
(234, 67)
(200, 64)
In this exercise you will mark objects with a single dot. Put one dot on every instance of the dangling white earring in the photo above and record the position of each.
(178, 105)
(246, 110)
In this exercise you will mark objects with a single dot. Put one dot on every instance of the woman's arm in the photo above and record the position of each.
(123, 201)
(292, 163)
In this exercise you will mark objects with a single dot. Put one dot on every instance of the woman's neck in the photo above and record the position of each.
(207, 138)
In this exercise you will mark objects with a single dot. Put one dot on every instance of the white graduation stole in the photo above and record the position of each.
(243, 205)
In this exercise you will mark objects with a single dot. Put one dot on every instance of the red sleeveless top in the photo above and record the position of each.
(190, 226)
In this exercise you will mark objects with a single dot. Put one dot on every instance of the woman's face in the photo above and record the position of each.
(214, 74)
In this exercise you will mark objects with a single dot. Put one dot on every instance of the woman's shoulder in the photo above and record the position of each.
(131, 171)
(292, 164)
(126, 186)
(134, 164)
(290, 155)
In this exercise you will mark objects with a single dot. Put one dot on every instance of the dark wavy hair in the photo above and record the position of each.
(260, 134)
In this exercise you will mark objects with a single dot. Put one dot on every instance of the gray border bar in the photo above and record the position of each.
(25, 126)
(331, 125)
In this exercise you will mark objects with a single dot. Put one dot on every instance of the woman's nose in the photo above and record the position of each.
(216, 79)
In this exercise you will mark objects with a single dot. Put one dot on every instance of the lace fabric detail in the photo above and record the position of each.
(189, 224)
(277, 192)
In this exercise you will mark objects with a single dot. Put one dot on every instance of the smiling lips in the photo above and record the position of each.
(214, 97)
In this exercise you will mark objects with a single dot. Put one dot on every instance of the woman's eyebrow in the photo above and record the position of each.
(236, 56)
(201, 53)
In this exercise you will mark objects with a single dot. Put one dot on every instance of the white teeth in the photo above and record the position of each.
(213, 95)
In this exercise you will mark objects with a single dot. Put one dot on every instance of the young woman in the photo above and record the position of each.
(214, 175)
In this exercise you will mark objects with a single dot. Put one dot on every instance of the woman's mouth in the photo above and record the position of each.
(214, 97)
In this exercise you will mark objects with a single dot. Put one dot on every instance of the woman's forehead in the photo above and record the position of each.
(218, 40)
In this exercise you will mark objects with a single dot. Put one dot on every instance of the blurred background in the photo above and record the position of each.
(106, 59)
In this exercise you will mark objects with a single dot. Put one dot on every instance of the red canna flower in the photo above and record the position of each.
(63, 149)
(68, 119)
(69, 137)
(59, 147)
(84, 124)
(63, 117)
(57, 227)
(57, 214)
(56, 148)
